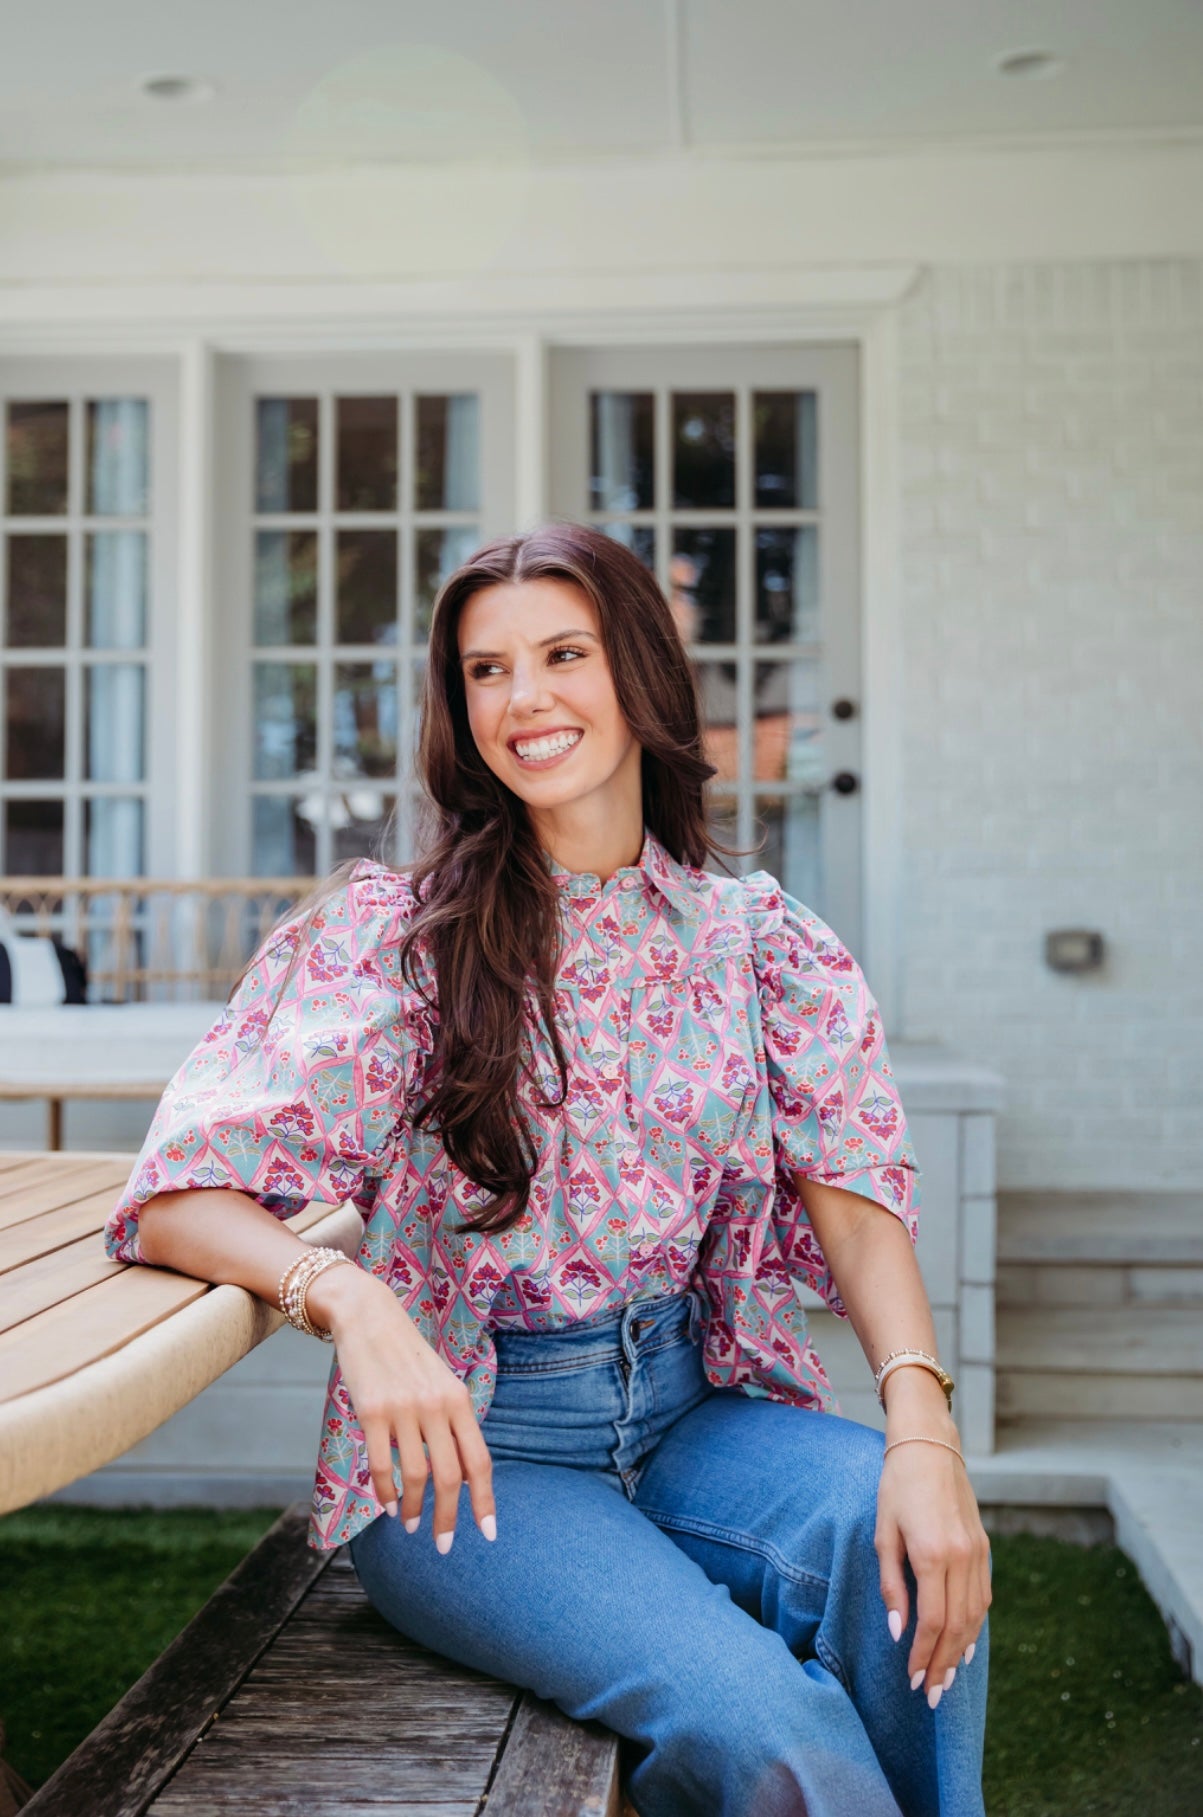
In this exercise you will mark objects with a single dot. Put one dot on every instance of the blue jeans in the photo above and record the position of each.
(694, 1569)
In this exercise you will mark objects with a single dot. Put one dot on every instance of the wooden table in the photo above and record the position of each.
(94, 1355)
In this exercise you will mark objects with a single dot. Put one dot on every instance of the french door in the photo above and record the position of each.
(350, 487)
(733, 473)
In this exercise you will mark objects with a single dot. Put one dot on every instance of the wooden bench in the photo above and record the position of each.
(323, 1708)
(289, 1694)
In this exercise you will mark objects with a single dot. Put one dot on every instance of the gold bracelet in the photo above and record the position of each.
(316, 1262)
(295, 1283)
(922, 1438)
(898, 1358)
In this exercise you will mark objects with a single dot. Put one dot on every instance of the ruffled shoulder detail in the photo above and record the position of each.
(302, 1088)
(836, 1112)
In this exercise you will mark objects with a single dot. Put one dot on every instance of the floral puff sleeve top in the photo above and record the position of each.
(720, 1041)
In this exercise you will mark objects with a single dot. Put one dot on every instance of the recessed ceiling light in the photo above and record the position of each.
(1035, 64)
(179, 88)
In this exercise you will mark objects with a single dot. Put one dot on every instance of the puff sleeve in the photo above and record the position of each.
(834, 1107)
(297, 1091)
(824, 1105)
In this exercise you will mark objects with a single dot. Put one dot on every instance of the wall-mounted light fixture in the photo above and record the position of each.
(1073, 949)
(178, 88)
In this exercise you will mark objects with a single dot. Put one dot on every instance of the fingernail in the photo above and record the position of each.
(934, 1696)
(917, 1678)
(970, 1650)
(894, 1623)
(391, 1508)
(948, 1677)
(443, 1541)
(413, 1523)
(488, 1526)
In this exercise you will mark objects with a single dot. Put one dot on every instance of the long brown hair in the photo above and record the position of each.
(489, 908)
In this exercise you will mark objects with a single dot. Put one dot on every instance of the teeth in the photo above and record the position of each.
(548, 747)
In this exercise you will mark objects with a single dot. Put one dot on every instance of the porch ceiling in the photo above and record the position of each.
(299, 81)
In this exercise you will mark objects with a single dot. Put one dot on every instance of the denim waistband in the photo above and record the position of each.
(640, 1325)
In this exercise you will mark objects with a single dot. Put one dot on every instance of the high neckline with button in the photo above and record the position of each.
(679, 884)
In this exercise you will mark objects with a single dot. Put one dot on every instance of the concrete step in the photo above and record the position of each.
(1129, 1341)
(1121, 1363)
(1026, 1284)
(1148, 1475)
(1022, 1395)
(1143, 1230)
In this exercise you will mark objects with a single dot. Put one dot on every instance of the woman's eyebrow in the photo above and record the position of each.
(555, 638)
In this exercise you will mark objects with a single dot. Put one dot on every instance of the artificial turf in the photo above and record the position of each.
(1088, 1714)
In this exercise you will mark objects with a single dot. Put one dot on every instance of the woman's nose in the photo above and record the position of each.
(528, 687)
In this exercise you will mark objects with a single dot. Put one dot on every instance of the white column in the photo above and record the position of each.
(194, 610)
(531, 396)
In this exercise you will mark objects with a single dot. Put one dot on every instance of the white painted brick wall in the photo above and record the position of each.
(1051, 422)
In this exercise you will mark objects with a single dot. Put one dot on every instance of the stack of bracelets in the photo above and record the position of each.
(896, 1360)
(295, 1283)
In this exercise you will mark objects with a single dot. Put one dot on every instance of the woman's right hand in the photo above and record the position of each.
(399, 1385)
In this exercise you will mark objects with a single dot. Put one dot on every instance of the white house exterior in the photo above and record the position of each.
(977, 305)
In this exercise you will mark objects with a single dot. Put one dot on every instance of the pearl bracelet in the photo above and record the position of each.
(296, 1281)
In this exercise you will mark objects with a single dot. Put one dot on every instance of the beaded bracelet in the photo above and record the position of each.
(923, 1438)
(295, 1283)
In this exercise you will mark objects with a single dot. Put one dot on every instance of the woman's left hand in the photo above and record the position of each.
(927, 1512)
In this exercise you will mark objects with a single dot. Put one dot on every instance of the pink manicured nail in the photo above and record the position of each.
(894, 1623)
(391, 1508)
(970, 1650)
(488, 1526)
(413, 1523)
(934, 1696)
(917, 1678)
(443, 1541)
(948, 1677)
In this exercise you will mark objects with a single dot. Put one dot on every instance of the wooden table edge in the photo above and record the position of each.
(56, 1434)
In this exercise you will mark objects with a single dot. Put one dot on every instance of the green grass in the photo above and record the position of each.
(88, 1598)
(1088, 1717)
(1088, 1713)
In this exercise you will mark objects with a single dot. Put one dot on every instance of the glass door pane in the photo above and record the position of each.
(354, 485)
(732, 473)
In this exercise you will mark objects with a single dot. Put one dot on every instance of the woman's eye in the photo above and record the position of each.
(480, 670)
(566, 650)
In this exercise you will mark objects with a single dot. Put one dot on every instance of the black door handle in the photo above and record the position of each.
(845, 783)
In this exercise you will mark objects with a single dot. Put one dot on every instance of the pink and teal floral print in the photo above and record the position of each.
(720, 1040)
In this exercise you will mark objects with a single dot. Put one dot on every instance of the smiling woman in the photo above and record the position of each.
(604, 1113)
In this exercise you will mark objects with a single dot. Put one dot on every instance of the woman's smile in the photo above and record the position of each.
(540, 750)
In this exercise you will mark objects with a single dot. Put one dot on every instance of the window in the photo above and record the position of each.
(361, 494)
(75, 585)
(731, 473)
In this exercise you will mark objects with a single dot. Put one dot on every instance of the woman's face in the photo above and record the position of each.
(541, 700)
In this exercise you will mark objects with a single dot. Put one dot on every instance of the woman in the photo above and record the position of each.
(602, 1111)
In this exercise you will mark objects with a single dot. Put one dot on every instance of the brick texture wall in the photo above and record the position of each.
(1052, 520)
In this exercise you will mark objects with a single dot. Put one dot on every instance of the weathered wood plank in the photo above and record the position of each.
(341, 1706)
(281, 1802)
(554, 1767)
(328, 1770)
(130, 1755)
